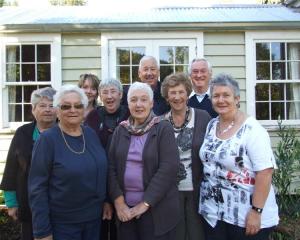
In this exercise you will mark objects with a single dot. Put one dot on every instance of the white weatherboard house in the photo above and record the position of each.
(259, 45)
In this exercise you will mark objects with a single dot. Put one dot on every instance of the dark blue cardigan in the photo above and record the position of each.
(205, 104)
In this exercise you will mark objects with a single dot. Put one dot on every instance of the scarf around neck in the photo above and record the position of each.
(139, 130)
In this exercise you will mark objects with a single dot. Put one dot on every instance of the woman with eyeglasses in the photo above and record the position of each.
(15, 176)
(90, 84)
(67, 179)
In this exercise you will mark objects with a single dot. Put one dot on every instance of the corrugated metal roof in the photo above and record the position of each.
(85, 15)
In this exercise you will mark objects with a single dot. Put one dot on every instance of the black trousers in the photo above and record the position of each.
(108, 230)
(226, 231)
(142, 229)
(26, 230)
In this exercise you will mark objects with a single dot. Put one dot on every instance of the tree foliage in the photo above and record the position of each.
(68, 2)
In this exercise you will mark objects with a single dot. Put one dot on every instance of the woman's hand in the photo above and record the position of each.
(123, 211)
(253, 221)
(107, 211)
(13, 213)
(139, 209)
(45, 238)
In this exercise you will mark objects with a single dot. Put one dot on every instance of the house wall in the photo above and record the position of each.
(81, 53)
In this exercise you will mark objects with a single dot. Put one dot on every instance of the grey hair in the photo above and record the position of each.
(37, 95)
(69, 88)
(145, 58)
(200, 60)
(111, 82)
(227, 80)
(140, 86)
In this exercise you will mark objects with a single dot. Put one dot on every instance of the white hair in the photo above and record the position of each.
(69, 88)
(145, 58)
(200, 60)
(140, 86)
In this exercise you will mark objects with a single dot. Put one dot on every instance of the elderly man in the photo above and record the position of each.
(149, 73)
(200, 72)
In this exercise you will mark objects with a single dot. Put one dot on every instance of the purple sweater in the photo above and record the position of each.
(133, 178)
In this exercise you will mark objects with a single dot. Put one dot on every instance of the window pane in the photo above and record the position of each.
(262, 51)
(165, 71)
(262, 111)
(293, 51)
(15, 94)
(277, 110)
(293, 110)
(262, 92)
(278, 70)
(293, 91)
(135, 75)
(182, 55)
(262, 71)
(28, 117)
(278, 51)
(43, 72)
(294, 70)
(27, 93)
(28, 72)
(137, 54)
(13, 72)
(277, 91)
(166, 55)
(28, 53)
(123, 56)
(123, 73)
(12, 53)
(181, 68)
(15, 113)
(43, 53)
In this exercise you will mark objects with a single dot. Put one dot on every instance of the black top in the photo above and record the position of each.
(205, 104)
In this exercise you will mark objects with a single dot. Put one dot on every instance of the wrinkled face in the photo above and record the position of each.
(200, 76)
(177, 97)
(139, 105)
(149, 73)
(223, 100)
(111, 98)
(71, 110)
(90, 91)
(43, 112)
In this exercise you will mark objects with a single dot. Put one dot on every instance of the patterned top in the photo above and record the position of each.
(229, 174)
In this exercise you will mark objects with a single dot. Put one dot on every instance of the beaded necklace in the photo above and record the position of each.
(185, 123)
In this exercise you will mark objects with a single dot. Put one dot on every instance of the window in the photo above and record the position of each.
(125, 51)
(273, 76)
(28, 65)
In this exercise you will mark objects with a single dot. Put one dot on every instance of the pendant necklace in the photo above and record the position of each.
(221, 132)
(69, 147)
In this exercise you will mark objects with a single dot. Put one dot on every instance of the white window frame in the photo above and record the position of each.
(108, 38)
(251, 38)
(56, 79)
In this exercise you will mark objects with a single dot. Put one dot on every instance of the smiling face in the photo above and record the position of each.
(90, 91)
(200, 76)
(71, 110)
(149, 72)
(177, 97)
(43, 112)
(223, 100)
(139, 105)
(111, 98)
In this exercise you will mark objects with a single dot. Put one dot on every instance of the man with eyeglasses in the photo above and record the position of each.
(200, 72)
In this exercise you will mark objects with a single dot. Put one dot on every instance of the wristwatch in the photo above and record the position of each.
(256, 209)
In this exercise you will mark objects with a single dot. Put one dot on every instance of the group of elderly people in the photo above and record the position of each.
(178, 160)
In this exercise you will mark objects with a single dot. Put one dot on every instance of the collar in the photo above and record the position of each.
(202, 95)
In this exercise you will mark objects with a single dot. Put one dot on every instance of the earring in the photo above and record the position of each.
(238, 105)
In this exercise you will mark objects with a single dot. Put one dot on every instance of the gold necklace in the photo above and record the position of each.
(72, 150)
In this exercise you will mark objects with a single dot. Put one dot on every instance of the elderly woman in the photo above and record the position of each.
(144, 162)
(104, 119)
(236, 197)
(89, 83)
(14, 181)
(189, 126)
(67, 179)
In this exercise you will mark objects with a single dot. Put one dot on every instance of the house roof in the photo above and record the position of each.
(86, 18)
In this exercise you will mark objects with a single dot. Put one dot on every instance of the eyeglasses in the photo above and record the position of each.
(66, 107)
